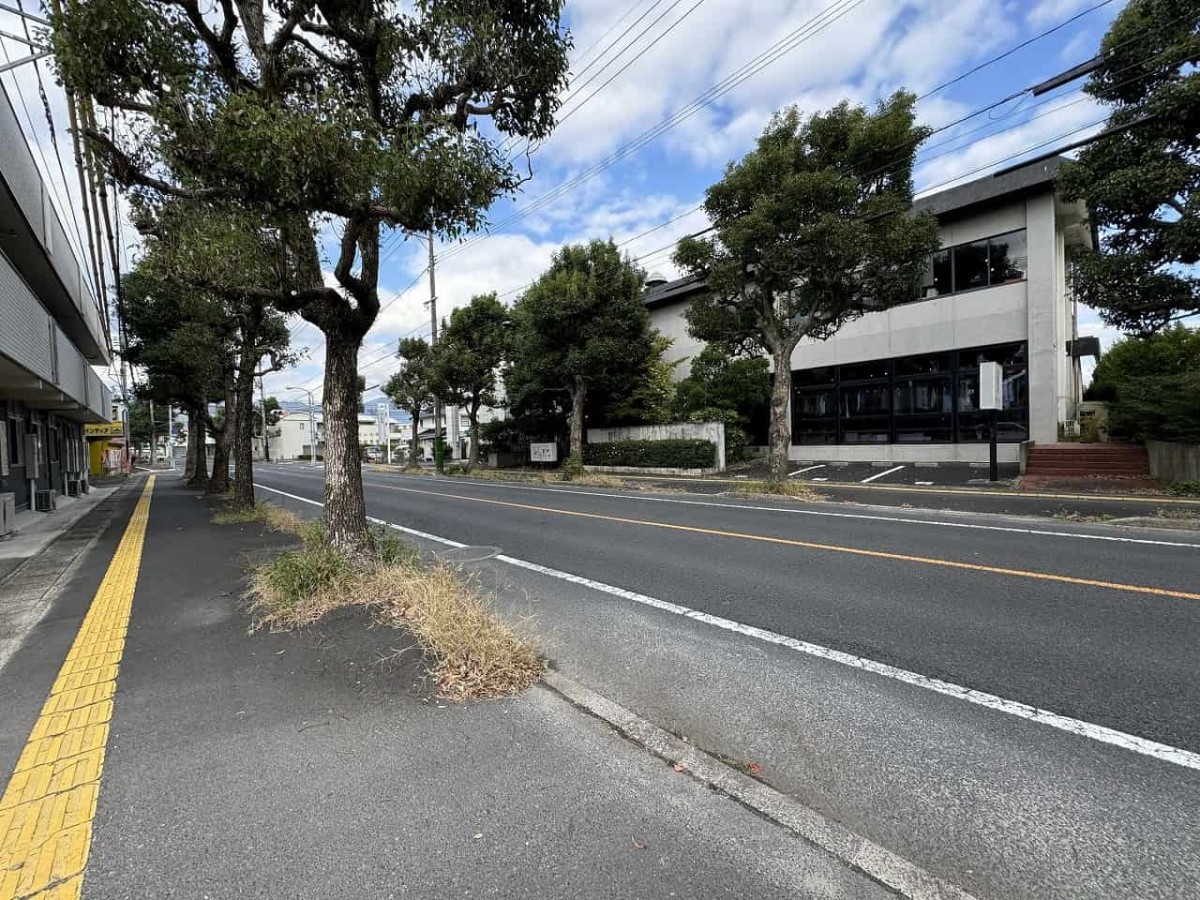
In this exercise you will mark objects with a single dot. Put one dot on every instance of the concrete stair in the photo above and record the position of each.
(1088, 460)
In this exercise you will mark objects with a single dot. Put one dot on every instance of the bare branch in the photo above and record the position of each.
(127, 172)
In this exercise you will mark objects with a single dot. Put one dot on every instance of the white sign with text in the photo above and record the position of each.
(543, 452)
(991, 386)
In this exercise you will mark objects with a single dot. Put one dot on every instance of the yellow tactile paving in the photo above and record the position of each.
(47, 808)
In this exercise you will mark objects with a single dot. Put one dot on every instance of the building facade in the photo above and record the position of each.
(291, 437)
(50, 336)
(903, 384)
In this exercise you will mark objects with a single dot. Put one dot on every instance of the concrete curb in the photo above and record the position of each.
(874, 861)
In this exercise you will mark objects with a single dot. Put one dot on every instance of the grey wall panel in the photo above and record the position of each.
(72, 369)
(24, 324)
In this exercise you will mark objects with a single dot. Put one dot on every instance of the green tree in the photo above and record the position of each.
(364, 116)
(223, 253)
(813, 229)
(581, 326)
(1140, 183)
(411, 388)
(1153, 385)
(651, 401)
(724, 388)
(468, 354)
(140, 432)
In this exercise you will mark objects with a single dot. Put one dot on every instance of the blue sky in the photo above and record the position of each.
(872, 48)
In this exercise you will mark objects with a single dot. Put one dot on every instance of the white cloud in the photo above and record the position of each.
(1051, 12)
(1005, 147)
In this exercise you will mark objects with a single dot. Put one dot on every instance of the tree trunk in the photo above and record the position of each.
(218, 482)
(197, 450)
(243, 444)
(414, 445)
(780, 433)
(473, 421)
(578, 396)
(345, 509)
(189, 465)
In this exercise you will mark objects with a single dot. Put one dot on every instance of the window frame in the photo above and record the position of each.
(951, 251)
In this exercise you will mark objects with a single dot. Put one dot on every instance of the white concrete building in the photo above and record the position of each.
(902, 384)
(291, 437)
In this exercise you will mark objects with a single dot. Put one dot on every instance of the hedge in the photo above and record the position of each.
(679, 453)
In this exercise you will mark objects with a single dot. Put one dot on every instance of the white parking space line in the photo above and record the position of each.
(802, 471)
(871, 478)
(1099, 733)
(818, 479)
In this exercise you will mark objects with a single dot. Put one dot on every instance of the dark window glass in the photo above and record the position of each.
(1005, 354)
(915, 396)
(814, 415)
(937, 278)
(817, 404)
(923, 365)
(865, 409)
(864, 371)
(1007, 257)
(806, 377)
(971, 266)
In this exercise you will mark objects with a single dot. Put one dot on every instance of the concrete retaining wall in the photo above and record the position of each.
(1174, 462)
(704, 431)
(649, 470)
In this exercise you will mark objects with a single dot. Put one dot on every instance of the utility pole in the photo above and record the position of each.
(153, 448)
(438, 455)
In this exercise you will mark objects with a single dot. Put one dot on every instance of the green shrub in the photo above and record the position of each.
(678, 453)
(1184, 488)
(298, 575)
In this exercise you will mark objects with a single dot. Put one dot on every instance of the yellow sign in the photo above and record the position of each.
(104, 429)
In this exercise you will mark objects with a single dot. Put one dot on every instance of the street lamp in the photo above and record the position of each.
(312, 457)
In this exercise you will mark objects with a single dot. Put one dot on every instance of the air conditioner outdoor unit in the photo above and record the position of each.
(8, 515)
(84, 487)
(45, 501)
(72, 487)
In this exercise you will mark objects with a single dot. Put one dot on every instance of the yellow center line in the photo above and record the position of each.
(47, 809)
(813, 545)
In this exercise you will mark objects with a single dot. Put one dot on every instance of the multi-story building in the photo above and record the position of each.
(903, 384)
(50, 335)
(292, 436)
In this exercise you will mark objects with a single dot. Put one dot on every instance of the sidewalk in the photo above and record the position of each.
(317, 765)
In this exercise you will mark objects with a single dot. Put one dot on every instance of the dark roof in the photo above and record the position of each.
(672, 291)
(1004, 185)
(952, 203)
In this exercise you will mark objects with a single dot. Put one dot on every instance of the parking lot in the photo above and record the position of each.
(883, 473)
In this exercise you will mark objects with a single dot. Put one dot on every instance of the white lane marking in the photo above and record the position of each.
(818, 479)
(940, 523)
(923, 482)
(413, 531)
(809, 469)
(1099, 733)
(871, 478)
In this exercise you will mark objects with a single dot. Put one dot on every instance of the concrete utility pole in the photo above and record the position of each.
(438, 455)
(153, 448)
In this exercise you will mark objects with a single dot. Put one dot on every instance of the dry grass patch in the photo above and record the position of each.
(794, 489)
(471, 653)
(232, 515)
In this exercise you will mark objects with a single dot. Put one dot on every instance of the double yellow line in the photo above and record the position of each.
(47, 809)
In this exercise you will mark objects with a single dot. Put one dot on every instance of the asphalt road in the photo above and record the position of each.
(1098, 623)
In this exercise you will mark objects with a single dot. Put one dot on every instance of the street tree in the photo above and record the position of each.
(175, 339)
(1142, 182)
(467, 357)
(581, 326)
(336, 121)
(650, 399)
(411, 388)
(813, 228)
(229, 255)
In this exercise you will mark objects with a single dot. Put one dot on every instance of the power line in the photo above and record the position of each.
(813, 26)
(772, 54)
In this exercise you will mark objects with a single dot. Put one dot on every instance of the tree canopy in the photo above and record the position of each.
(411, 388)
(581, 326)
(1142, 183)
(813, 228)
(1153, 384)
(330, 121)
(468, 354)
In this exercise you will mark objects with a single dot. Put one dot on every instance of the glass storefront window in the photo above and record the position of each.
(971, 266)
(932, 398)
(1007, 258)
